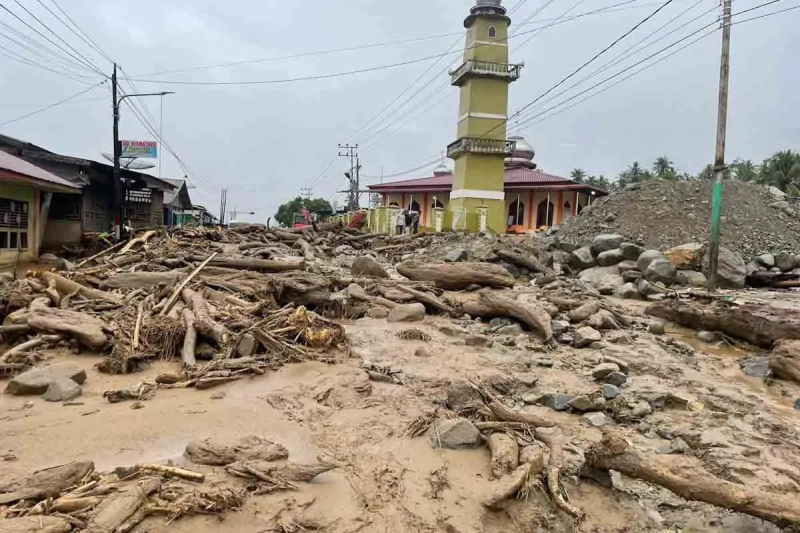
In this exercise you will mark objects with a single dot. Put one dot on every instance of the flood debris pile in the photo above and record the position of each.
(75, 496)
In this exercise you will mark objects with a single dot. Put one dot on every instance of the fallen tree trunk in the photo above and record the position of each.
(100, 254)
(189, 340)
(457, 276)
(32, 344)
(531, 315)
(505, 454)
(142, 280)
(531, 263)
(138, 240)
(308, 250)
(258, 265)
(203, 323)
(116, 509)
(429, 299)
(35, 524)
(504, 414)
(507, 487)
(66, 286)
(785, 360)
(85, 328)
(691, 481)
(757, 323)
(44, 483)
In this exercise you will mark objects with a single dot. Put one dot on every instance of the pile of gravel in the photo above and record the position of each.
(662, 215)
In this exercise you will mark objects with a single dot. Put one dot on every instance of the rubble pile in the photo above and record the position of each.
(661, 215)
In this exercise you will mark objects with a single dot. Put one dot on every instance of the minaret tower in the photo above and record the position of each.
(478, 192)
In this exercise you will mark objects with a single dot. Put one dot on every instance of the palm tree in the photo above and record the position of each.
(744, 170)
(664, 168)
(781, 170)
(578, 175)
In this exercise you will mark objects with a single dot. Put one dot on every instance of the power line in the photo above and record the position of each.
(25, 61)
(38, 49)
(82, 35)
(51, 106)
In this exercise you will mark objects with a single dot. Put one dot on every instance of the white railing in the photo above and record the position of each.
(508, 71)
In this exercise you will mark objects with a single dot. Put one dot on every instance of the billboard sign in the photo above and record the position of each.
(139, 149)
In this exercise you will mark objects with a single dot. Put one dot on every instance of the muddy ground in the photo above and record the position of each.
(747, 431)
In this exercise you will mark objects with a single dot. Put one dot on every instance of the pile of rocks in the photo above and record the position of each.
(626, 269)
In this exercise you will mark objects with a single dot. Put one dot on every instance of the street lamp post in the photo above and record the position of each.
(119, 195)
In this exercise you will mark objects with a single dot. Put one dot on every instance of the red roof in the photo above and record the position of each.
(26, 170)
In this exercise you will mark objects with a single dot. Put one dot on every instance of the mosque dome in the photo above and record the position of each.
(442, 170)
(523, 153)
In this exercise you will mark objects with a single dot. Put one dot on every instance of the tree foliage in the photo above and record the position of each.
(286, 212)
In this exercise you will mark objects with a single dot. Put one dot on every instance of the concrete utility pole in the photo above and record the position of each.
(719, 158)
(223, 204)
(351, 152)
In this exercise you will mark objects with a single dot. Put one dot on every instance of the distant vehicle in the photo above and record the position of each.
(302, 220)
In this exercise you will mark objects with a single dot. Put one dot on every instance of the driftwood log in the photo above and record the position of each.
(142, 280)
(457, 276)
(44, 483)
(86, 329)
(785, 360)
(66, 286)
(530, 263)
(429, 300)
(756, 323)
(258, 265)
(689, 480)
(203, 322)
(35, 524)
(146, 236)
(189, 340)
(528, 313)
(119, 507)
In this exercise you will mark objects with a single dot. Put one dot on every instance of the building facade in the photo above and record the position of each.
(532, 199)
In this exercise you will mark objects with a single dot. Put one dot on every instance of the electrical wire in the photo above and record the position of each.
(82, 35)
(36, 48)
(10, 54)
(51, 106)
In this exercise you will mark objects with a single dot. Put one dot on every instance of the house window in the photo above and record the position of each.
(13, 224)
(492, 32)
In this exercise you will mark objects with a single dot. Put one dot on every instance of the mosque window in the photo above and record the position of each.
(492, 32)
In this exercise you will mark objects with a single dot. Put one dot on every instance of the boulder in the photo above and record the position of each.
(603, 243)
(356, 291)
(377, 312)
(757, 367)
(603, 319)
(604, 369)
(784, 261)
(797, 404)
(661, 270)
(656, 327)
(618, 379)
(479, 341)
(686, 256)
(629, 291)
(454, 434)
(707, 336)
(589, 403)
(627, 265)
(631, 276)
(585, 336)
(585, 311)
(691, 278)
(766, 260)
(559, 326)
(367, 266)
(38, 380)
(641, 409)
(609, 257)
(605, 279)
(631, 251)
(595, 419)
(783, 204)
(460, 394)
(581, 259)
(407, 313)
(647, 257)
(731, 269)
(511, 330)
(556, 401)
(648, 289)
(610, 391)
(457, 255)
(62, 390)
(776, 193)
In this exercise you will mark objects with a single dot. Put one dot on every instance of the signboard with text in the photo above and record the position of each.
(139, 149)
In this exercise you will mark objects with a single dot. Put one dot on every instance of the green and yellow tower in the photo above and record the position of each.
(478, 196)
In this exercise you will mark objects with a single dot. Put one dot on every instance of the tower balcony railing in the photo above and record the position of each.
(477, 145)
(507, 71)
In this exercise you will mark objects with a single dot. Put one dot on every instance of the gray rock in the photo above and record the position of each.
(609, 258)
(37, 381)
(603, 319)
(675, 446)
(783, 204)
(647, 257)
(527, 379)
(626, 265)
(656, 327)
(247, 345)
(797, 404)
(497, 323)
(648, 289)
(457, 255)
(757, 367)
(586, 336)
(367, 266)
(776, 193)
(691, 278)
(631, 251)
(641, 409)
(584, 311)
(707, 336)
(686, 256)
(377, 312)
(661, 270)
(610, 391)
(784, 261)
(766, 260)
(556, 402)
(62, 390)
(559, 326)
(629, 291)
(567, 339)
(631, 276)
(616, 378)
(407, 313)
(354, 290)
(460, 394)
(623, 365)
(581, 259)
(775, 270)
(511, 330)
(595, 419)
(604, 369)
(731, 269)
(603, 243)
(589, 403)
(600, 476)
(605, 279)
(479, 341)
(454, 434)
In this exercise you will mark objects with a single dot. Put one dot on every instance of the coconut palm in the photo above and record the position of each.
(664, 168)
(578, 175)
(782, 170)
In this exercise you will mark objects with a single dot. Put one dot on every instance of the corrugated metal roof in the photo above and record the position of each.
(513, 176)
(19, 166)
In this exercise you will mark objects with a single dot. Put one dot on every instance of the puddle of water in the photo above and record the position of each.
(721, 348)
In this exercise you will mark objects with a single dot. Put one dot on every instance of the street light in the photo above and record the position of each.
(118, 196)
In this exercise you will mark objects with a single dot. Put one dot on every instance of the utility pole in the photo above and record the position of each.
(306, 192)
(719, 158)
(351, 152)
(119, 201)
(223, 203)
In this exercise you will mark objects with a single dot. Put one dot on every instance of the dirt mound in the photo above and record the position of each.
(665, 214)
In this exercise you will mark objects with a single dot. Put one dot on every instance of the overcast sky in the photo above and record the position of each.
(265, 142)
